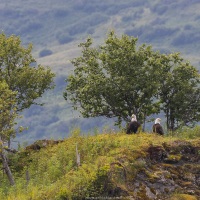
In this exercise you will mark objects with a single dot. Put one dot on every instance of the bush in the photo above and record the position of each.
(187, 133)
(45, 52)
(64, 38)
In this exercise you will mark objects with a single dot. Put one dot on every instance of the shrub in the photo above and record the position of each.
(45, 52)
(187, 133)
(64, 38)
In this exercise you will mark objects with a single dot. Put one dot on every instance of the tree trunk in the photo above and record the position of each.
(6, 167)
(144, 119)
(9, 143)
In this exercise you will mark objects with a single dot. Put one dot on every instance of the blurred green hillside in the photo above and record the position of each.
(56, 27)
(111, 165)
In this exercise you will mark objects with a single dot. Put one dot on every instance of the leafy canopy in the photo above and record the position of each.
(19, 70)
(20, 85)
(22, 81)
(7, 111)
(115, 79)
(119, 78)
(180, 92)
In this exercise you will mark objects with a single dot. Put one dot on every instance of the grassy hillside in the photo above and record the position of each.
(112, 165)
(56, 27)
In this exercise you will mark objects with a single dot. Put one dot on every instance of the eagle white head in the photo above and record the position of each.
(133, 118)
(157, 121)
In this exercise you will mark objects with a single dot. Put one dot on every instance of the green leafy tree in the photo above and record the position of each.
(179, 92)
(8, 115)
(8, 112)
(18, 70)
(116, 79)
(21, 83)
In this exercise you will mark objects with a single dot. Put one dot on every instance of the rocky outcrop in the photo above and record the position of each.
(171, 169)
(168, 171)
(41, 144)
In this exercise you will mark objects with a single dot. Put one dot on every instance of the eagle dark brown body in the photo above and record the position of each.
(133, 127)
(157, 128)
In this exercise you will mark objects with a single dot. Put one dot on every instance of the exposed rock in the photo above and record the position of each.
(42, 143)
(168, 169)
(157, 153)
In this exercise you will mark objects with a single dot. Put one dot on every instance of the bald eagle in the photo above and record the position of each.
(133, 125)
(157, 128)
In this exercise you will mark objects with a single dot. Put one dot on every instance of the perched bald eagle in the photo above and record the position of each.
(157, 128)
(133, 125)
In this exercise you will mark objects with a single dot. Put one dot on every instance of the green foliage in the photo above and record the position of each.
(8, 112)
(118, 79)
(20, 86)
(179, 91)
(75, 132)
(29, 82)
(186, 132)
(107, 80)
